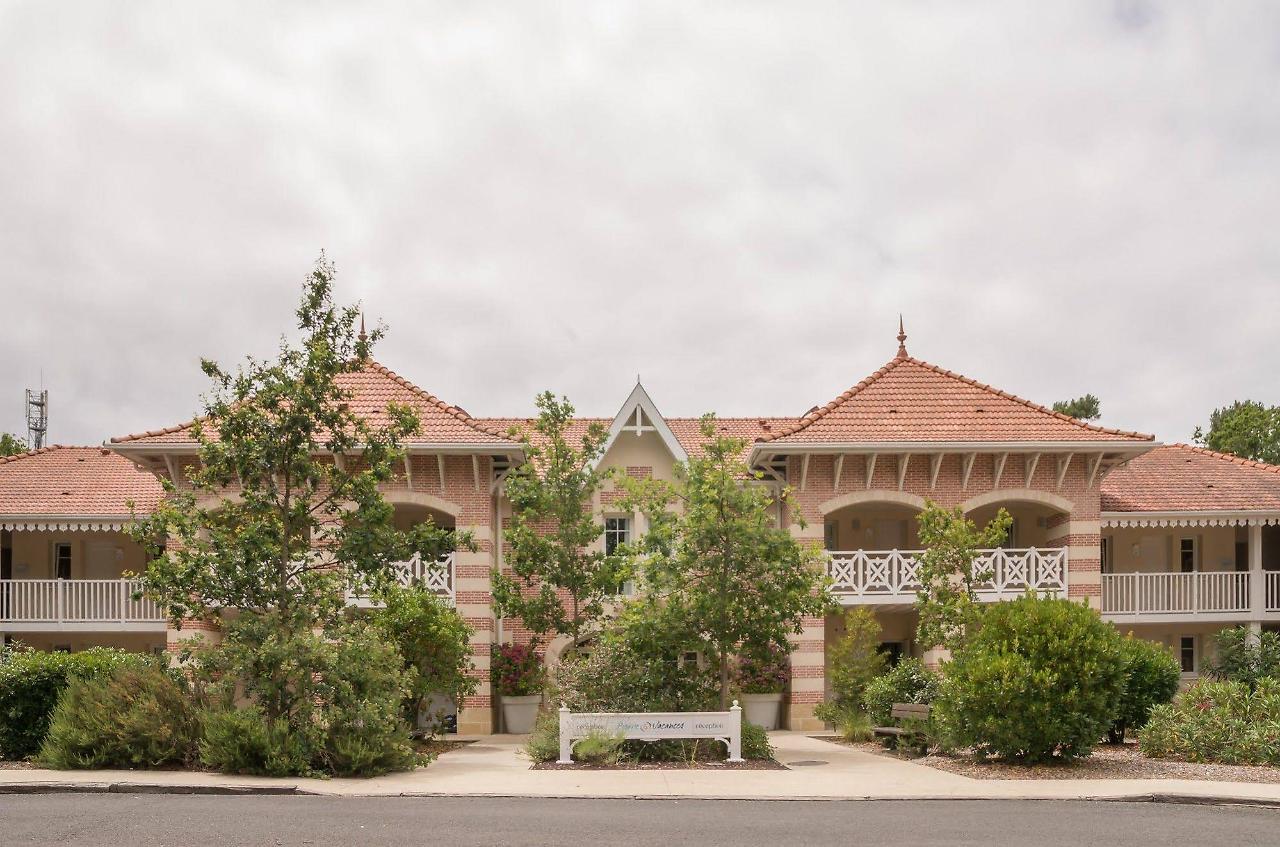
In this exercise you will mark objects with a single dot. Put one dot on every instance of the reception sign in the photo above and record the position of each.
(653, 726)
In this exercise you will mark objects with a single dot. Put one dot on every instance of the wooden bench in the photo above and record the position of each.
(915, 713)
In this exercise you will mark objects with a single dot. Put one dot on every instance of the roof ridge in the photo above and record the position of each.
(151, 433)
(819, 413)
(1228, 457)
(26, 454)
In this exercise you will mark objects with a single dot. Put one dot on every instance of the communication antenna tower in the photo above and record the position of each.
(37, 418)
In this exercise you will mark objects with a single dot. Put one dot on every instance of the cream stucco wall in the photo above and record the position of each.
(117, 553)
(1155, 549)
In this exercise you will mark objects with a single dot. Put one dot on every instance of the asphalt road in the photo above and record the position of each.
(181, 820)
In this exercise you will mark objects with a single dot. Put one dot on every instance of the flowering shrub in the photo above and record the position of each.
(518, 670)
(1220, 722)
(764, 671)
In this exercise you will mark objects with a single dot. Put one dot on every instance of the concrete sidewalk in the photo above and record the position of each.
(493, 767)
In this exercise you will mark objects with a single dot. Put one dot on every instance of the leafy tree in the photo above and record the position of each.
(11, 445)
(718, 562)
(1247, 429)
(1086, 408)
(553, 539)
(434, 641)
(856, 659)
(1241, 656)
(282, 514)
(947, 601)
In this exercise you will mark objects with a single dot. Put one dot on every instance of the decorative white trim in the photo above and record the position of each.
(639, 401)
(935, 465)
(997, 468)
(967, 468)
(1031, 461)
(839, 469)
(904, 460)
(54, 524)
(871, 469)
(1064, 462)
(1190, 518)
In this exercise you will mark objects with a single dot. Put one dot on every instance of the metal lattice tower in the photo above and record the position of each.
(37, 418)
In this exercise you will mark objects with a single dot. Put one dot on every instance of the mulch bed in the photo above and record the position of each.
(748, 765)
(1107, 762)
(9, 765)
(438, 746)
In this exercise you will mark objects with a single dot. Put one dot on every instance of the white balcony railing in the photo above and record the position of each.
(892, 575)
(1205, 592)
(435, 576)
(75, 601)
(1272, 584)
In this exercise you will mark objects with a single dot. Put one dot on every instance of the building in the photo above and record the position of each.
(1170, 542)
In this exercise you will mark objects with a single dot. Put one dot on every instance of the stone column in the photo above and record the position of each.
(1083, 540)
(1257, 578)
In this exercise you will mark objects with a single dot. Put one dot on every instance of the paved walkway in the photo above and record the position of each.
(493, 766)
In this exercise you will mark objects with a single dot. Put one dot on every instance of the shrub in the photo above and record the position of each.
(1242, 656)
(755, 742)
(517, 669)
(1041, 679)
(31, 681)
(319, 703)
(135, 717)
(434, 641)
(544, 742)
(1151, 678)
(907, 682)
(1218, 722)
(599, 748)
(855, 659)
(851, 722)
(765, 670)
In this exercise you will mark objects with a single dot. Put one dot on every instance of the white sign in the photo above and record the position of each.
(652, 726)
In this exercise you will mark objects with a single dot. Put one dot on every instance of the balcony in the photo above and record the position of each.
(890, 577)
(435, 576)
(76, 605)
(1202, 595)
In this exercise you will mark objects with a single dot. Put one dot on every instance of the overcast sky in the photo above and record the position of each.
(733, 201)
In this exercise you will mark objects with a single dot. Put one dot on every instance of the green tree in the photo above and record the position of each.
(855, 659)
(282, 514)
(11, 445)
(561, 578)
(1086, 408)
(1246, 428)
(718, 562)
(947, 601)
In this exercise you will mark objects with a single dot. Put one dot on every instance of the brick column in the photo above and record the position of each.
(808, 659)
(1083, 540)
(472, 589)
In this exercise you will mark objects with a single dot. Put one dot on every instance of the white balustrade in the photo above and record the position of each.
(435, 576)
(1220, 592)
(1273, 591)
(80, 601)
(876, 574)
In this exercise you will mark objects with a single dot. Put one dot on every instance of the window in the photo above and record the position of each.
(831, 535)
(62, 561)
(1187, 555)
(617, 531)
(1105, 552)
(1187, 653)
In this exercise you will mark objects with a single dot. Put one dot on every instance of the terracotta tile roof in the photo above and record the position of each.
(1179, 477)
(912, 400)
(371, 389)
(75, 482)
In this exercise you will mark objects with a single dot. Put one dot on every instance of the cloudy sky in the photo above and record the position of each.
(734, 201)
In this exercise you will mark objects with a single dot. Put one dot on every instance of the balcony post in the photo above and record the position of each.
(1257, 579)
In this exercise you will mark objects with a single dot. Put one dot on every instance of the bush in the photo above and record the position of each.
(765, 670)
(135, 717)
(755, 742)
(517, 670)
(1151, 678)
(855, 659)
(319, 703)
(907, 682)
(1242, 656)
(1217, 722)
(434, 641)
(31, 681)
(599, 748)
(1040, 680)
(544, 742)
(850, 721)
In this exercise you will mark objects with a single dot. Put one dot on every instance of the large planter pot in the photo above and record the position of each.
(518, 713)
(764, 710)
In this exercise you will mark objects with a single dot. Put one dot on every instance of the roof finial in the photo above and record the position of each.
(902, 339)
(364, 337)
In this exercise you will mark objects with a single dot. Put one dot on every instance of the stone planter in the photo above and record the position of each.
(518, 713)
(762, 709)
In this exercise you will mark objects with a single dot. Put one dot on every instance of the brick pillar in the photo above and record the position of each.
(475, 603)
(1083, 540)
(194, 633)
(808, 659)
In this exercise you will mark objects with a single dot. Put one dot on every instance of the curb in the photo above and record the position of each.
(1172, 798)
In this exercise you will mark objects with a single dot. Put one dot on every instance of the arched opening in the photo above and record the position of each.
(1038, 518)
(872, 520)
(408, 515)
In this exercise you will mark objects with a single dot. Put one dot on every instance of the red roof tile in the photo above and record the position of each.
(1179, 477)
(75, 482)
(371, 389)
(911, 400)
